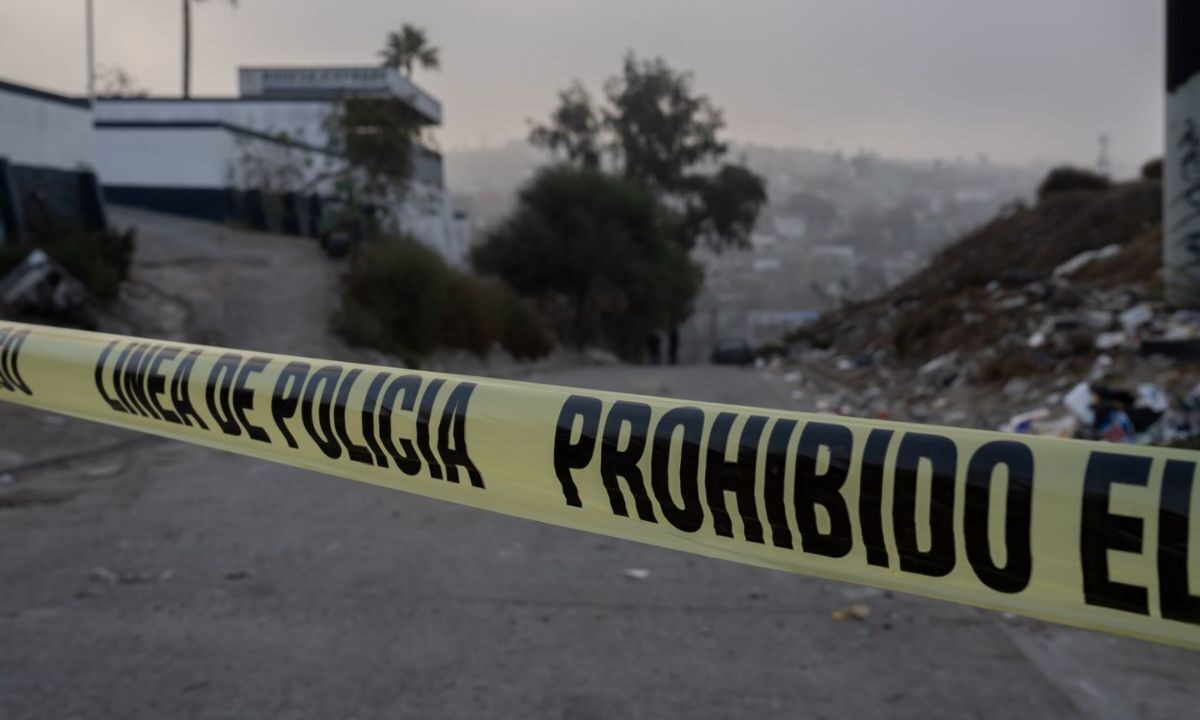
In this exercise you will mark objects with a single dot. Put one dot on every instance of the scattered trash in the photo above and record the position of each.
(636, 573)
(42, 286)
(1013, 302)
(1039, 422)
(1109, 340)
(1135, 317)
(1083, 258)
(857, 611)
(941, 370)
(1079, 402)
(1015, 388)
(235, 575)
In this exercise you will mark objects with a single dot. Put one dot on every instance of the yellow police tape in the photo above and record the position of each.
(1085, 534)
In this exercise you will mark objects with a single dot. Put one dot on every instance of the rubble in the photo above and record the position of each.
(1046, 321)
(1085, 257)
(41, 286)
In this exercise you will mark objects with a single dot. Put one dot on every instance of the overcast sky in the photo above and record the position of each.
(1020, 80)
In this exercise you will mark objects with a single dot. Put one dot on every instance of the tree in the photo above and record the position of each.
(662, 130)
(595, 250)
(573, 130)
(187, 43)
(665, 138)
(114, 81)
(408, 47)
(664, 135)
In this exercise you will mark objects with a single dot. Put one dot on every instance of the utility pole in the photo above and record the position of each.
(91, 54)
(1181, 161)
(187, 48)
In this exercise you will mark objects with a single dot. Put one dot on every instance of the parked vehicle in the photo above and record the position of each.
(732, 351)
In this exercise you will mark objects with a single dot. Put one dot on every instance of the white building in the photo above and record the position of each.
(219, 157)
(46, 159)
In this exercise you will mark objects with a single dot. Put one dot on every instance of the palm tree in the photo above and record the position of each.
(187, 44)
(407, 48)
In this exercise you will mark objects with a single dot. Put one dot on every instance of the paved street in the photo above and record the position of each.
(152, 579)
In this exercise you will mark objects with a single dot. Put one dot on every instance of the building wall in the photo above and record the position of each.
(188, 155)
(46, 161)
(167, 157)
(44, 130)
(302, 120)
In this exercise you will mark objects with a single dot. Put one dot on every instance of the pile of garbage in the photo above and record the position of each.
(1146, 416)
(1048, 320)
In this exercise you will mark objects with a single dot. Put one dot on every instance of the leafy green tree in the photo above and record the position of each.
(663, 135)
(660, 132)
(408, 48)
(573, 130)
(596, 251)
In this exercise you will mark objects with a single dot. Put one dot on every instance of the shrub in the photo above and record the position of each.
(599, 254)
(1153, 169)
(402, 298)
(1068, 179)
(98, 259)
(522, 332)
(392, 295)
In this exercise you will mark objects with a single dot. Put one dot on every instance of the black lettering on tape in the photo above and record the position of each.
(10, 358)
(156, 383)
(824, 489)
(1101, 531)
(326, 379)
(370, 402)
(180, 396)
(243, 397)
(569, 455)
(689, 516)
(454, 425)
(738, 476)
(618, 463)
(424, 413)
(357, 453)
(289, 388)
(870, 496)
(1174, 510)
(1018, 521)
(217, 393)
(942, 457)
(113, 402)
(773, 482)
(5, 383)
(405, 456)
(141, 372)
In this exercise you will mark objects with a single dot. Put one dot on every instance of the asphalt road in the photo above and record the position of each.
(150, 579)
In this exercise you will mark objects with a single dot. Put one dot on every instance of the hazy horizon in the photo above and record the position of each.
(1019, 82)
